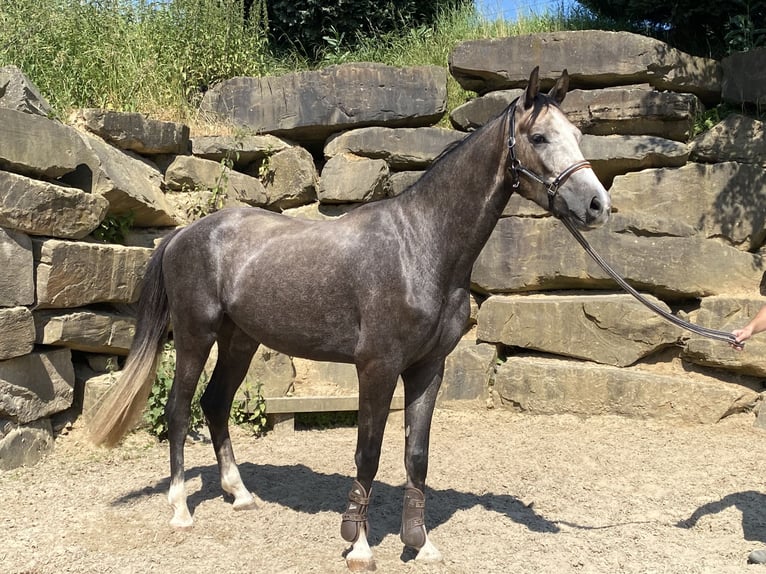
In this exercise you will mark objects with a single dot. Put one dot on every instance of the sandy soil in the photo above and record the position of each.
(509, 493)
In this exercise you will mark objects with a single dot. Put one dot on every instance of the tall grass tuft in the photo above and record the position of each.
(152, 56)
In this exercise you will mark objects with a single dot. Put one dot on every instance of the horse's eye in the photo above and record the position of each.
(538, 139)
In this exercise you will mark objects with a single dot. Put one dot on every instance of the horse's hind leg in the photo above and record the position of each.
(421, 385)
(191, 354)
(235, 351)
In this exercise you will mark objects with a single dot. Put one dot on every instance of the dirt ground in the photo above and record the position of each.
(508, 493)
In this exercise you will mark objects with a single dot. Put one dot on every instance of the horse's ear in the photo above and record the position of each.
(560, 89)
(533, 87)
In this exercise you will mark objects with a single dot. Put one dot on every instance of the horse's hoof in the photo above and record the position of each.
(360, 564)
(429, 554)
(181, 523)
(245, 504)
(757, 557)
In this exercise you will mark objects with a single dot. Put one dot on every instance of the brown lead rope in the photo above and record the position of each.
(699, 330)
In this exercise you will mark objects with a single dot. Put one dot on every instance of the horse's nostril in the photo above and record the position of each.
(595, 205)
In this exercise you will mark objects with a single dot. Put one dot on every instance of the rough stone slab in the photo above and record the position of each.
(321, 211)
(629, 110)
(737, 138)
(17, 92)
(744, 77)
(85, 330)
(240, 150)
(188, 174)
(290, 178)
(479, 111)
(36, 146)
(24, 445)
(134, 131)
(132, 185)
(611, 329)
(309, 106)
(40, 208)
(616, 155)
(401, 180)
(18, 332)
(468, 371)
(75, 274)
(540, 255)
(726, 314)
(543, 385)
(347, 178)
(17, 283)
(401, 148)
(594, 58)
(719, 200)
(36, 386)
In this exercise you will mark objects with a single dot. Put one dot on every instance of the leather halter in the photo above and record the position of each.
(517, 169)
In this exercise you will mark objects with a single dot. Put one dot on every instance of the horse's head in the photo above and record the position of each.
(547, 165)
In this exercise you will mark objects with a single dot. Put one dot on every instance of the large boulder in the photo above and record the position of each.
(74, 274)
(241, 151)
(724, 200)
(134, 131)
(309, 106)
(605, 328)
(17, 283)
(17, 92)
(402, 148)
(525, 254)
(132, 185)
(290, 178)
(232, 188)
(628, 110)
(36, 386)
(543, 385)
(85, 330)
(727, 313)
(594, 58)
(616, 155)
(18, 329)
(39, 147)
(40, 208)
(24, 445)
(736, 138)
(347, 178)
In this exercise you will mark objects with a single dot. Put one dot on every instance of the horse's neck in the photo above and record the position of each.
(458, 202)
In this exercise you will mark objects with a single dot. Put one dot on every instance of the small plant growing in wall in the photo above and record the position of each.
(114, 228)
(217, 197)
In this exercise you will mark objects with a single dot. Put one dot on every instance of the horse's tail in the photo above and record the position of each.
(121, 407)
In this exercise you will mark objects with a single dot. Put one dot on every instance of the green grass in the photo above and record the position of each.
(160, 57)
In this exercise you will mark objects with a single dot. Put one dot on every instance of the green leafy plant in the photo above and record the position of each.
(249, 411)
(114, 228)
(217, 193)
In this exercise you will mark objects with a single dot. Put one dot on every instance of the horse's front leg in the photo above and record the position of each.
(375, 393)
(421, 385)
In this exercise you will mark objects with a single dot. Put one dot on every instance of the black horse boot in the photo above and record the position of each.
(413, 532)
(356, 513)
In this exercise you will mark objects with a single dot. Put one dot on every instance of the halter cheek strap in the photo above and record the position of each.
(517, 169)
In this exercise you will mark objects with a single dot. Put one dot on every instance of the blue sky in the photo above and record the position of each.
(510, 9)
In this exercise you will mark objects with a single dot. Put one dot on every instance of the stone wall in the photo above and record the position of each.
(549, 333)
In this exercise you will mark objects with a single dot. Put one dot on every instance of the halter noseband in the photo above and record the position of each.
(517, 169)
